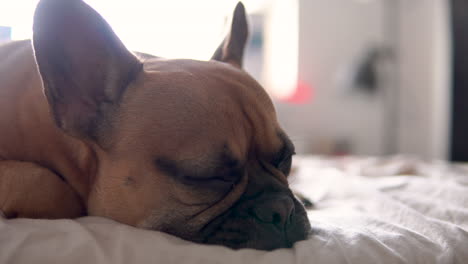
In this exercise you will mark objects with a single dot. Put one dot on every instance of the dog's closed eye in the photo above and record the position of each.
(224, 174)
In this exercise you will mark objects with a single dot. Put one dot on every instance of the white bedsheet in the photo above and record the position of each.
(397, 210)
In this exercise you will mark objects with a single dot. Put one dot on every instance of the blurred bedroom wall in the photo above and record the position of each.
(424, 78)
(408, 110)
(339, 119)
(365, 77)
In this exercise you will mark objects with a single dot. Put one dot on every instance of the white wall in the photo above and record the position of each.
(410, 114)
(331, 34)
(424, 78)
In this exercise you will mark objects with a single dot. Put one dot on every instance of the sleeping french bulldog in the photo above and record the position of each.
(190, 148)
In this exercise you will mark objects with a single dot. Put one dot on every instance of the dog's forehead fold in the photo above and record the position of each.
(208, 75)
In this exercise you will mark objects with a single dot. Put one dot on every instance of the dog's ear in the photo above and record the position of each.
(83, 64)
(232, 48)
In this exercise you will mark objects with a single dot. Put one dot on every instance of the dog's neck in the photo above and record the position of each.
(28, 132)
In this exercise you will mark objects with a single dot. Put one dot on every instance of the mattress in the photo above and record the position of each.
(367, 210)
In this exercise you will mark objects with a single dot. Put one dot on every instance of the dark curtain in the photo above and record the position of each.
(459, 131)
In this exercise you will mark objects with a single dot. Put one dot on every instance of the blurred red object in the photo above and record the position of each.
(303, 94)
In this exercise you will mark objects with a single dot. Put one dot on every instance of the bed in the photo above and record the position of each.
(367, 210)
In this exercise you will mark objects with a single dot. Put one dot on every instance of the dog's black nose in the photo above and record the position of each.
(276, 210)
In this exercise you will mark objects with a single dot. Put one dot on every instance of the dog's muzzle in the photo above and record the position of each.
(266, 221)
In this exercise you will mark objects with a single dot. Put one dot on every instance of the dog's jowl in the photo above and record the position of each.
(191, 148)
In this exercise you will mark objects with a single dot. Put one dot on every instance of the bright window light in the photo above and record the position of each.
(171, 29)
(281, 48)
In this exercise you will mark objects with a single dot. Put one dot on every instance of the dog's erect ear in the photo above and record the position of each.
(83, 64)
(232, 48)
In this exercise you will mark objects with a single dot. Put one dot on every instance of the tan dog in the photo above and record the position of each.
(191, 148)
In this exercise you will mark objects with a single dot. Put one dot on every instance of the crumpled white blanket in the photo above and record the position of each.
(368, 210)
